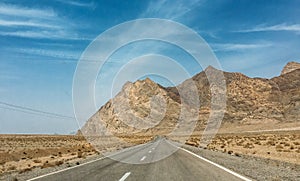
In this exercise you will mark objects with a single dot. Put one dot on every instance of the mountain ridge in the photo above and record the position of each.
(250, 101)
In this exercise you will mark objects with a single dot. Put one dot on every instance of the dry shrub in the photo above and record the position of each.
(272, 143)
(47, 164)
(37, 161)
(11, 167)
(25, 170)
(2, 162)
(80, 155)
(287, 144)
(257, 143)
(279, 147)
(237, 154)
(191, 143)
(296, 143)
(248, 145)
(60, 162)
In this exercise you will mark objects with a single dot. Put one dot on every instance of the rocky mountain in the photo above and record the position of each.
(145, 107)
(291, 66)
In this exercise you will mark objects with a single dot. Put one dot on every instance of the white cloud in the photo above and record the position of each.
(61, 54)
(18, 11)
(169, 9)
(78, 3)
(43, 34)
(279, 27)
(18, 23)
(25, 22)
(239, 47)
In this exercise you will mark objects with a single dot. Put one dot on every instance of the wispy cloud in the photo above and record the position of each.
(18, 11)
(58, 54)
(18, 23)
(26, 22)
(239, 47)
(78, 3)
(279, 27)
(169, 9)
(44, 34)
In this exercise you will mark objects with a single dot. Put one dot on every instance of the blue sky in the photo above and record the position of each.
(41, 42)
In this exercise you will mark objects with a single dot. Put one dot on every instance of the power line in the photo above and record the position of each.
(27, 112)
(113, 61)
(32, 111)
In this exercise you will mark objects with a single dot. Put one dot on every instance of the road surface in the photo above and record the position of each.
(181, 165)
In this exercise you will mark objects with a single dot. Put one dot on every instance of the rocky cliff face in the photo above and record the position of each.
(139, 107)
(144, 107)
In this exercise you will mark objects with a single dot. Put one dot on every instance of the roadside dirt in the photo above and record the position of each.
(277, 145)
(255, 168)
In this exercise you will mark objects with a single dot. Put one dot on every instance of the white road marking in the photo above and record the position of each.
(215, 164)
(150, 151)
(143, 158)
(153, 148)
(125, 176)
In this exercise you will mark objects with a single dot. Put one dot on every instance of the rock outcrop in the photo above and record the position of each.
(291, 66)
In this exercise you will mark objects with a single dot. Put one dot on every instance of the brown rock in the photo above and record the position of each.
(291, 66)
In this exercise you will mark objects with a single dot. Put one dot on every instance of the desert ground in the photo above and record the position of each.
(22, 153)
(277, 145)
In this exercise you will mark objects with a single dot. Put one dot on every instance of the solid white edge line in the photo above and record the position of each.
(69, 168)
(215, 164)
(65, 169)
(143, 158)
(125, 176)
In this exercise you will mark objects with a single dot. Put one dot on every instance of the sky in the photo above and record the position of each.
(42, 41)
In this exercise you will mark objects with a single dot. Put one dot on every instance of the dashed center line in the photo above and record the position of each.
(150, 151)
(125, 176)
(143, 158)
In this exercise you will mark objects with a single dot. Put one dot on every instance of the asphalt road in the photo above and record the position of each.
(181, 165)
